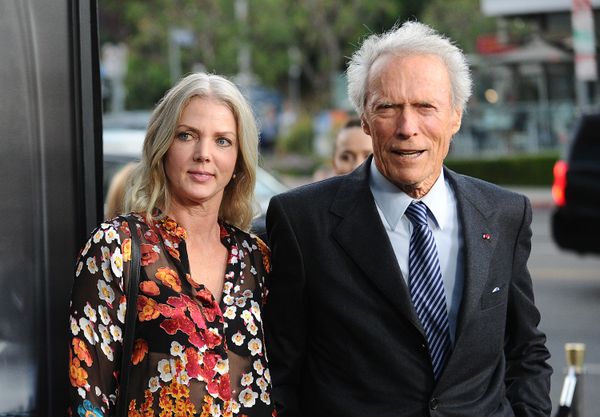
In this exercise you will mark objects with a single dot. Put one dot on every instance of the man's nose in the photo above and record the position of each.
(406, 123)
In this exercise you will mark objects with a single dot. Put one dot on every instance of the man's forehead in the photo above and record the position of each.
(379, 84)
(382, 62)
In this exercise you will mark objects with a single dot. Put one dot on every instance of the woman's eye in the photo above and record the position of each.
(345, 157)
(223, 142)
(184, 136)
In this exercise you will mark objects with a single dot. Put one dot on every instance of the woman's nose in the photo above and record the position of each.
(201, 151)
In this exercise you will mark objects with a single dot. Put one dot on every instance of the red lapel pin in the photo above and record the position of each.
(486, 236)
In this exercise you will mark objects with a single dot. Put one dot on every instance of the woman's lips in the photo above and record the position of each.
(201, 176)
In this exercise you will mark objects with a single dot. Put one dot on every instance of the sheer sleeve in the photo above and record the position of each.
(97, 316)
(263, 259)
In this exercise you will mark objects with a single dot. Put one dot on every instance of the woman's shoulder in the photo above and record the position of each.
(247, 240)
(107, 231)
(124, 222)
(112, 231)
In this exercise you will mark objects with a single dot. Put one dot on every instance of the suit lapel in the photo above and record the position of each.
(362, 235)
(478, 232)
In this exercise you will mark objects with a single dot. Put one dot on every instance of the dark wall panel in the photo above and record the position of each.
(49, 171)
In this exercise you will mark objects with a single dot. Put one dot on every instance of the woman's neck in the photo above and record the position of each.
(200, 223)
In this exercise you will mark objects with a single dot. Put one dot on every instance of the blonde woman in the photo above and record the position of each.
(199, 346)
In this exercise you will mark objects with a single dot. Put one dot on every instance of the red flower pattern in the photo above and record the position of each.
(149, 255)
(149, 288)
(185, 331)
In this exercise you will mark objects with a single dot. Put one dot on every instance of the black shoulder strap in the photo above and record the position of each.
(130, 317)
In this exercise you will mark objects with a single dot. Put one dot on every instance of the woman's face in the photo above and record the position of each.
(352, 147)
(202, 157)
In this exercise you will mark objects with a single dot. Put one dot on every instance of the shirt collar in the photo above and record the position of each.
(437, 199)
(393, 202)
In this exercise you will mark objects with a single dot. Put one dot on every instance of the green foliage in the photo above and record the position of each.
(513, 170)
(147, 82)
(326, 32)
(461, 20)
(299, 139)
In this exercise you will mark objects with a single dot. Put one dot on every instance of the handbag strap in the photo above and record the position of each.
(130, 317)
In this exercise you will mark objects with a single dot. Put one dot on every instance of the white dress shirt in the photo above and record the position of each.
(444, 222)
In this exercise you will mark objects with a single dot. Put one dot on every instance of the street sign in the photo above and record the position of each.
(584, 40)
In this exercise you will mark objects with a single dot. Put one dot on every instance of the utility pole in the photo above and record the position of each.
(177, 38)
(584, 45)
(114, 59)
(244, 77)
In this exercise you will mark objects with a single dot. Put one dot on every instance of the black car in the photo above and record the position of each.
(576, 190)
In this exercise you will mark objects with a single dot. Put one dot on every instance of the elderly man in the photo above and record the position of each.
(402, 288)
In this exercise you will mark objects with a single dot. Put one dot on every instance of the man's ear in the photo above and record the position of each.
(457, 121)
(365, 125)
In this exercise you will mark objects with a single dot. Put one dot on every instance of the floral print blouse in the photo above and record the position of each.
(192, 356)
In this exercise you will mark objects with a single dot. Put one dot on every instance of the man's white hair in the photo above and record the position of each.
(411, 38)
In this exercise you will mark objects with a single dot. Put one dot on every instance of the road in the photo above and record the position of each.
(567, 291)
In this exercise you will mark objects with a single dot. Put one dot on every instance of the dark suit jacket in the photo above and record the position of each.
(343, 338)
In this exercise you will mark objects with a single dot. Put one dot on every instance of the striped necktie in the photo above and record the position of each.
(427, 286)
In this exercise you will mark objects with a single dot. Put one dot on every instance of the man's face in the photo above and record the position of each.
(410, 117)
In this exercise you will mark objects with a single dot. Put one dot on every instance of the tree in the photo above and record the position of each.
(461, 20)
(326, 32)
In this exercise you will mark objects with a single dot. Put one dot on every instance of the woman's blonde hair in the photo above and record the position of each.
(148, 183)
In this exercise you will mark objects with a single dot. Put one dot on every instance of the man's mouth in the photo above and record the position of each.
(408, 154)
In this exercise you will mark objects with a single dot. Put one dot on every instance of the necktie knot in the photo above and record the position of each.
(417, 213)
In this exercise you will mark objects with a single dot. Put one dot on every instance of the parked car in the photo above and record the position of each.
(123, 145)
(576, 190)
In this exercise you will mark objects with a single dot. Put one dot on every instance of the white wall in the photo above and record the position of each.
(515, 7)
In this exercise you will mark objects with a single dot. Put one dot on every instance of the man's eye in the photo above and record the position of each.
(386, 109)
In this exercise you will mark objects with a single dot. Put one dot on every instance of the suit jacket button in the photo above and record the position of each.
(433, 404)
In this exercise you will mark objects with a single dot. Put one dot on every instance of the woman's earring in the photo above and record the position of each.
(234, 175)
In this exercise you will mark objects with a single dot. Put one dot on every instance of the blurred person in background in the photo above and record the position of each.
(199, 346)
(402, 288)
(115, 195)
(352, 146)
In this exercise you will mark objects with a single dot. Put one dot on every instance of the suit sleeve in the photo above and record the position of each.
(527, 371)
(285, 311)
